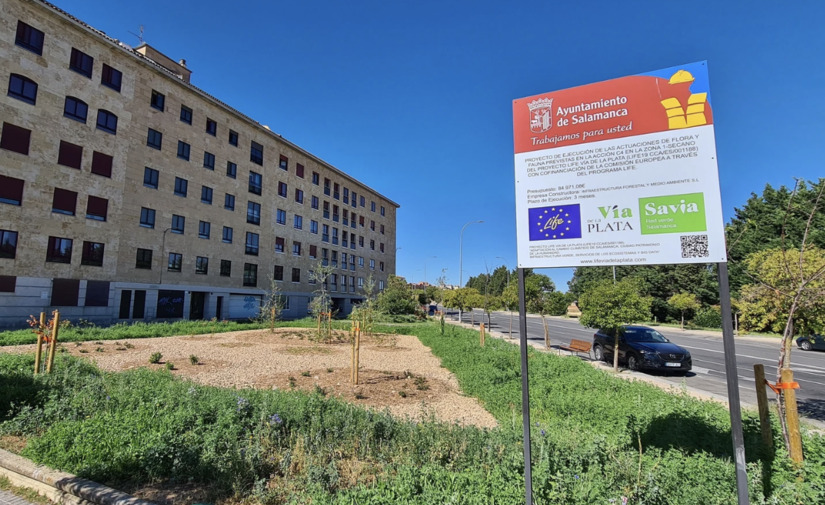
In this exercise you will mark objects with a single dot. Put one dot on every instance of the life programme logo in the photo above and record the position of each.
(557, 222)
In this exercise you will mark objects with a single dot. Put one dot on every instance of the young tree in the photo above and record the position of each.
(609, 306)
(321, 304)
(271, 305)
(684, 302)
(396, 299)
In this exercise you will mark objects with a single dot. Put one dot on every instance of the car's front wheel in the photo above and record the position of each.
(632, 362)
(598, 353)
(805, 345)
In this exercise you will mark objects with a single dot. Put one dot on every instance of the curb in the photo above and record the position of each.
(61, 487)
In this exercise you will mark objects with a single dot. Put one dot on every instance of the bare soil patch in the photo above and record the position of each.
(397, 372)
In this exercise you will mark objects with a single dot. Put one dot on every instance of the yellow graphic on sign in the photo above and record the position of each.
(679, 116)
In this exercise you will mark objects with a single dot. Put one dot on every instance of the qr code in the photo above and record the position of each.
(694, 246)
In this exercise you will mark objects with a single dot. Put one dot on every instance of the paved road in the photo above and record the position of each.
(706, 348)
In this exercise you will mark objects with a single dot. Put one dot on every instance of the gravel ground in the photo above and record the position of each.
(396, 372)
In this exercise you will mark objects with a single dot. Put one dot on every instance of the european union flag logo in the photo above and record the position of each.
(555, 223)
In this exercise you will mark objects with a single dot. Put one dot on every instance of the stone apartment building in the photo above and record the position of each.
(127, 193)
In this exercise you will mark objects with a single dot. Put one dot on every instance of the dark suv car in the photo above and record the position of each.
(642, 348)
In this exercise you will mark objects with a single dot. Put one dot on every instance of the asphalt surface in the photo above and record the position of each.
(708, 374)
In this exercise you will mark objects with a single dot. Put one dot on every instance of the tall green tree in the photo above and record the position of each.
(775, 219)
(684, 302)
(397, 298)
(607, 305)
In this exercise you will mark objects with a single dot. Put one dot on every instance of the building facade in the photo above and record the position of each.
(127, 193)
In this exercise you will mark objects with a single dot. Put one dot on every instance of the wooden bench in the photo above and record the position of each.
(578, 346)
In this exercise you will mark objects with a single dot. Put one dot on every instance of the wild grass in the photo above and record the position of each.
(595, 438)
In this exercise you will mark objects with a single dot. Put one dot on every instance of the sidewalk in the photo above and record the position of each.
(8, 498)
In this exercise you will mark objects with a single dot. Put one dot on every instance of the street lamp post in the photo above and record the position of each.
(461, 259)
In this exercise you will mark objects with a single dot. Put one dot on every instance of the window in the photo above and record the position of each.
(313, 226)
(183, 150)
(29, 37)
(81, 62)
(92, 254)
(175, 262)
(299, 195)
(372, 206)
(64, 201)
(211, 127)
(314, 202)
(229, 202)
(372, 245)
(326, 186)
(333, 281)
(60, 250)
(97, 294)
(181, 186)
(299, 170)
(382, 229)
(8, 244)
(296, 275)
(352, 262)
(278, 273)
(256, 153)
(178, 224)
(352, 241)
(280, 216)
(326, 210)
(381, 266)
(316, 178)
(346, 195)
(231, 169)
(279, 244)
(362, 200)
(158, 100)
(206, 195)
(360, 283)
(282, 189)
(296, 248)
(283, 163)
(75, 108)
(372, 225)
(111, 77)
(233, 138)
(65, 292)
(106, 121)
(255, 183)
(102, 164)
(335, 215)
(69, 155)
(250, 274)
(313, 251)
(361, 261)
(208, 160)
(372, 264)
(22, 88)
(15, 139)
(154, 139)
(253, 213)
(354, 198)
(226, 268)
(185, 114)
(204, 229)
(360, 241)
(381, 247)
(336, 191)
(252, 241)
(201, 265)
(150, 177)
(382, 211)
(97, 208)
(11, 190)
(335, 236)
(227, 235)
(325, 233)
(298, 223)
(143, 259)
(311, 279)
(147, 217)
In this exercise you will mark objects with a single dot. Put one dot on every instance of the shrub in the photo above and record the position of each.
(193, 359)
(155, 358)
(708, 317)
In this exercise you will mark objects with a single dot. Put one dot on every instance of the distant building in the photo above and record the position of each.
(127, 193)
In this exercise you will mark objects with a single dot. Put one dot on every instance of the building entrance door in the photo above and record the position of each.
(196, 304)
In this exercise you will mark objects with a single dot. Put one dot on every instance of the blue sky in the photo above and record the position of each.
(415, 98)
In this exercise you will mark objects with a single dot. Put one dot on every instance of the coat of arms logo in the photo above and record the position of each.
(541, 114)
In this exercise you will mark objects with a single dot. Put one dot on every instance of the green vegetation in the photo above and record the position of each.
(75, 333)
(155, 358)
(595, 438)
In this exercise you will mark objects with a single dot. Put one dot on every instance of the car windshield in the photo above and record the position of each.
(643, 335)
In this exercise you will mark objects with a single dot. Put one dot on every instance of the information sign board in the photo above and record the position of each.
(621, 172)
